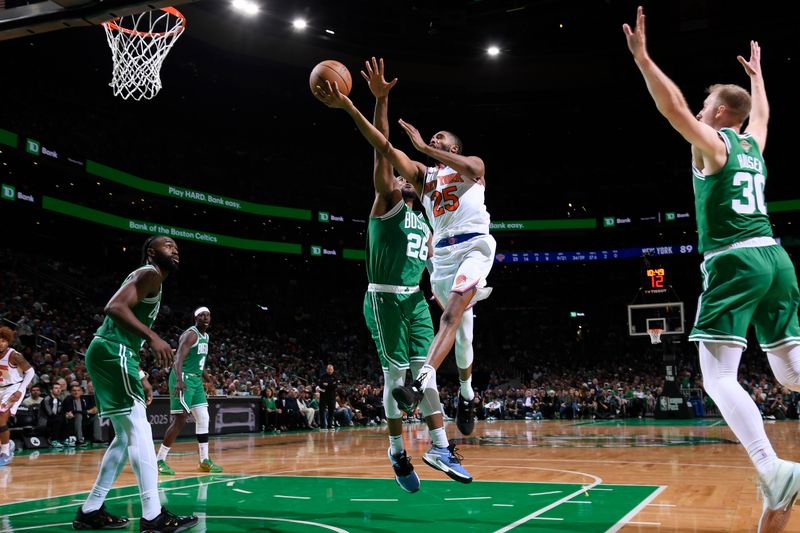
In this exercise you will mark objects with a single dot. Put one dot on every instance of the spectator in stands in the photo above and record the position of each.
(271, 411)
(51, 416)
(34, 399)
(81, 413)
(305, 410)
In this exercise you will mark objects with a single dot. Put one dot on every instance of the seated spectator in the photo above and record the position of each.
(305, 410)
(271, 411)
(34, 399)
(51, 416)
(343, 415)
(494, 408)
(81, 413)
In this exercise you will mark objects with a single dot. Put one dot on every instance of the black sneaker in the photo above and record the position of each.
(408, 396)
(98, 519)
(167, 522)
(465, 415)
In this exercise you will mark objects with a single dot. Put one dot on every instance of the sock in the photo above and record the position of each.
(425, 374)
(162, 453)
(5, 448)
(763, 459)
(396, 444)
(203, 447)
(466, 388)
(439, 438)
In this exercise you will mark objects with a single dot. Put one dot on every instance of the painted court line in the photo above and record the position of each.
(625, 519)
(544, 493)
(472, 498)
(607, 490)
(576, 501)
(14, 530)
(180, 493)
(661, 505)
(645, 523)
(243, 491)
(502, 505)
(597, 481)
(292, 497)
(374, 499)
(546, 518)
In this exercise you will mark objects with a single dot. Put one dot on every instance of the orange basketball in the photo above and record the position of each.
(332, 71)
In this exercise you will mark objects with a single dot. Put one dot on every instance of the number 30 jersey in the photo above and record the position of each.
(730, 204)
(397, 247)
(454, 204)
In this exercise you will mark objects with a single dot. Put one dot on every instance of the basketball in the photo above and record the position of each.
(332, 71)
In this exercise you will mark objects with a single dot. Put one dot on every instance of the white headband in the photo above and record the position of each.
(201, 310)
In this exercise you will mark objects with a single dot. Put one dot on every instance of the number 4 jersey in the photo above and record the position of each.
(454, 203)
(397, 247)
(730, 204)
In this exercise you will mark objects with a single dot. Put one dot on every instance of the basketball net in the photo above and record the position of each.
(655, 335)
(139, 43)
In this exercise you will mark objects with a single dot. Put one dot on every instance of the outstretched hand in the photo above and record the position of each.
(637, 42)
(375, 78)
(414, 135)
(753, 65)
(331, 96)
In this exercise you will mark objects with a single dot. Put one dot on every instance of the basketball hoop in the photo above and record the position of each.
(655, 335)
(139, 43)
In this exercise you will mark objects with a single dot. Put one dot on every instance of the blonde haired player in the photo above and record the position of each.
(15, 376)
(452, 193)
(747, 276)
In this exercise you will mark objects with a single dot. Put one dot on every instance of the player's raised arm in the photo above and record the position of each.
(667, 96)
(382, 175)
(759, 112)
(467, 166)
(411, 170)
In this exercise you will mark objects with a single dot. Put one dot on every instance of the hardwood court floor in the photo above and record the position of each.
(648, 475)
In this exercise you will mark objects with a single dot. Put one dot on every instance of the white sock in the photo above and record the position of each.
(424, 375)
(439, 438)
(466, 388)
(203, 447)
(5, 448)
(396, 444)
(163, 451)
(720, 365)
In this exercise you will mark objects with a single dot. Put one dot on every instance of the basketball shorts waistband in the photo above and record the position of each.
(456, 239)
(753, 242)
(395, 289)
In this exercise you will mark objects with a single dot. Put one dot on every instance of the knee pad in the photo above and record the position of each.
(464, 353)
(200, 419)
(392, 378)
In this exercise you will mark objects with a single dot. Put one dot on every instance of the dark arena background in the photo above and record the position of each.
(267, 193)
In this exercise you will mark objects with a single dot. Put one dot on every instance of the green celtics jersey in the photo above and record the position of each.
(145, 311)
(730, 204)
(397, 246)
(195, 360)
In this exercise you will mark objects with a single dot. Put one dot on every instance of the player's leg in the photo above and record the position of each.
(5, 437)
(199, 404)
(778, 333)
(178, 410)
(404, 473)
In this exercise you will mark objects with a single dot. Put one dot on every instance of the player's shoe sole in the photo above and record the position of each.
(445, 460)
(780, 493)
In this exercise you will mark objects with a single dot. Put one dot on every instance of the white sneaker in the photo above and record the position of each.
(779, 492)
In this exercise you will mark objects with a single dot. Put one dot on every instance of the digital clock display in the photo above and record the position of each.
(655, 278)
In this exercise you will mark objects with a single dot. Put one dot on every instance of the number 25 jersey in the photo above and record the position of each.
(454, 203)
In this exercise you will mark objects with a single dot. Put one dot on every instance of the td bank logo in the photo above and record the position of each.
(669, 216)
(316, 251)
(324, 216)
(609, 222)
(7, 192)
(33, 147)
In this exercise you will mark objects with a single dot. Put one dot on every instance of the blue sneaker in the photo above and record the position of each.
(5, 459)
(448, 461)
(404, 471)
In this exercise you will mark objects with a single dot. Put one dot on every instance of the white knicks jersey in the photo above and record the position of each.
(454, 204)
(9, 374)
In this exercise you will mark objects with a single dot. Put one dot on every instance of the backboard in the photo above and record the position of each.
(666, 315)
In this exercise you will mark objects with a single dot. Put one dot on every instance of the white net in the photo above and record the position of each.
(139, 43)
(655, 335)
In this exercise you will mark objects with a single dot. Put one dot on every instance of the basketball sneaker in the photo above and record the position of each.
(207, 465)
(99, 519)
(779, 492)
(163, 468)
(404, 471)
(167, 522)
(465, 415)
(408, 396)
(448, 461)
(5, 459)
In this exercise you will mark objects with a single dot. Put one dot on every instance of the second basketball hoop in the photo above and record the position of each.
(139, 44)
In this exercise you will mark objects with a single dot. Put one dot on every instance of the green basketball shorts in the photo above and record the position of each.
(401, 327)
(748, 285)
(114, 369)
(193, 396)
